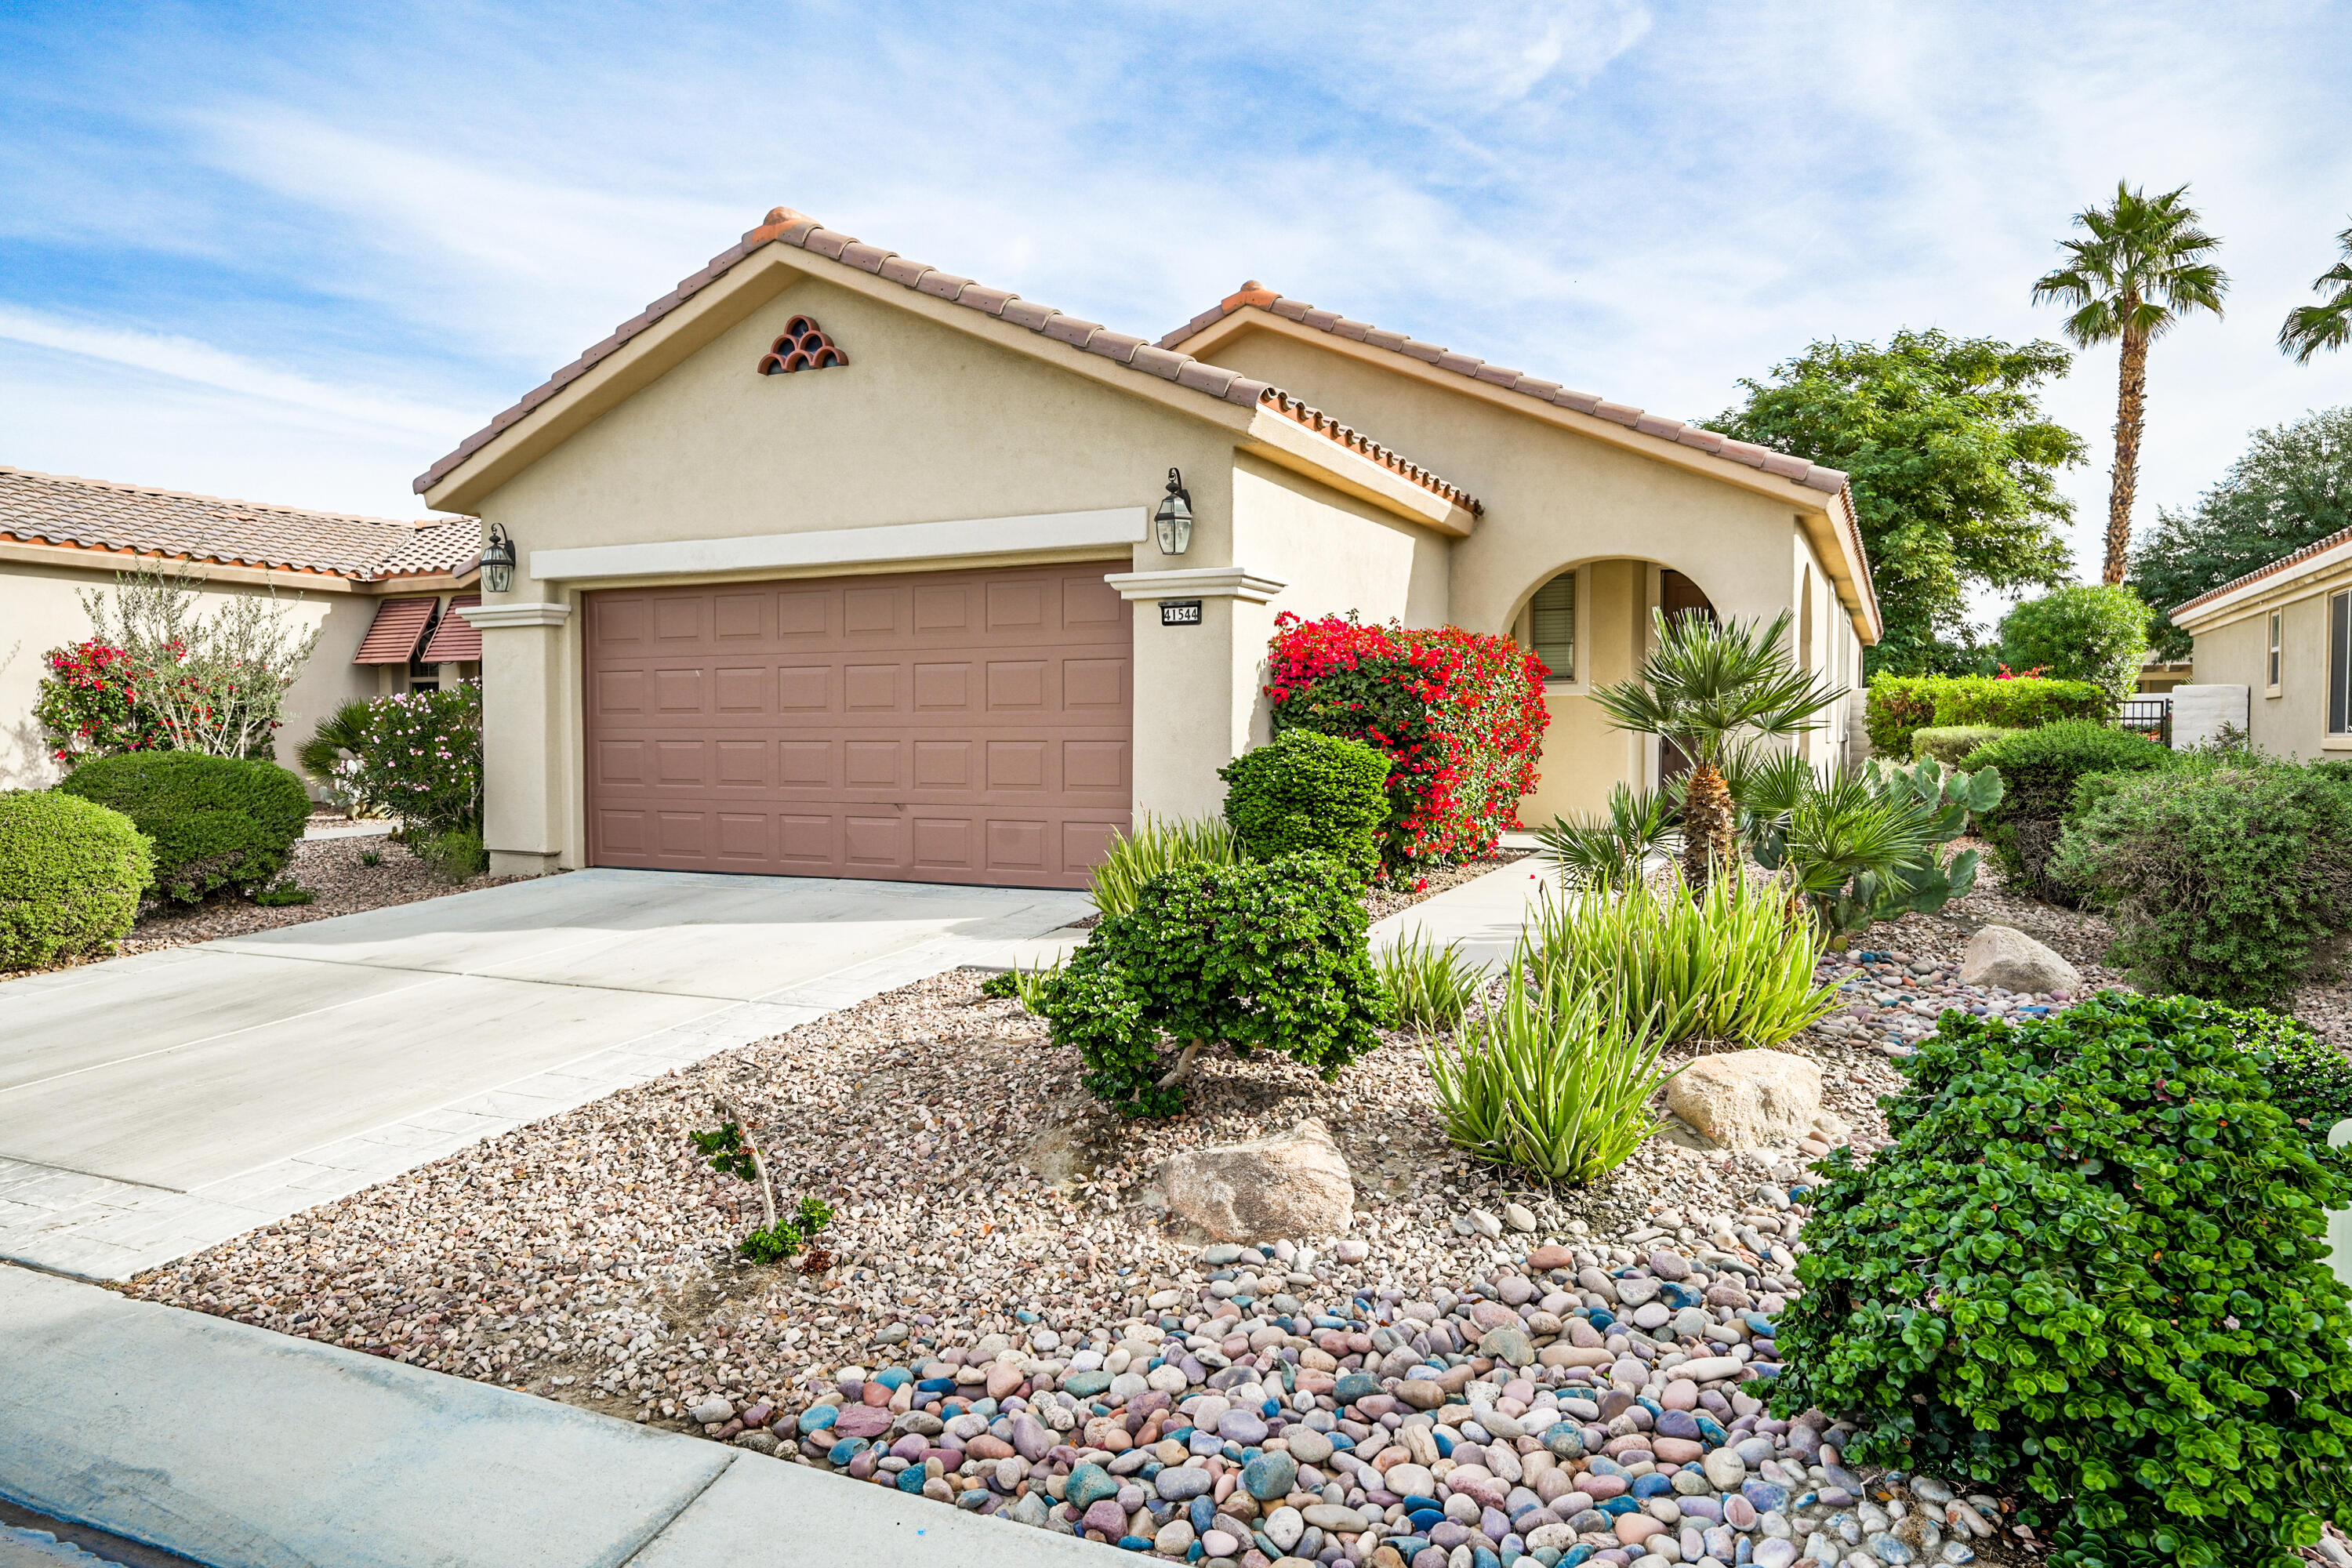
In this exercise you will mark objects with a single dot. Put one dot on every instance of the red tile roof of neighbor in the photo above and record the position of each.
(785, 226)
(101, 515)
(2317, 547)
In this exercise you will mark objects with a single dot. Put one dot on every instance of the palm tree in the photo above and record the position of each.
(2310, 328)
(2145, 266)
(1714, 692)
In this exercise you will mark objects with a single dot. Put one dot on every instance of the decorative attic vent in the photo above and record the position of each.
(803, 346)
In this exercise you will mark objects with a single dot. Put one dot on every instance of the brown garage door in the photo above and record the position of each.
(936, 727)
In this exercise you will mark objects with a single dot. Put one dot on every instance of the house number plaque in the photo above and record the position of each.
(1180, 611)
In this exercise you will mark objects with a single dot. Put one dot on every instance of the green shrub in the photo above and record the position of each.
(215, 822)
(1734, 962)
(2039, 769)
(1267, 955)
(1900, 705)
(70, 875)
(1157, 845)
(1951, 745)
(1430, 988)
(1556, 1083)
(1310, 793)
(454, 855)
(421, 757)
(2222, 879)
(2310, 1079)
(2096, 633)
(2091, 1266)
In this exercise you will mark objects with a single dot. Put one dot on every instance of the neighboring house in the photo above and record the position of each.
(2159, 676)
(378, 590)
(2278, 641)
(834, 563)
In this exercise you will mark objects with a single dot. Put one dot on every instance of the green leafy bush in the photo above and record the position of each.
(2039, 769)
(1306, 792)
(2092, 1264)
(1556, 1083)
(1900, 705)
(2310, 1079)
(1430, 988)
(2096, 633)
(1733, 962)
(215, 822)
(1952, 744)
(454, 855)
(1267, 955)
(2222, 879)
(421, 757)
(70, 875)
(1157, 845)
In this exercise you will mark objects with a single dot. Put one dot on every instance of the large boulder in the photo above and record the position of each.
(1293, 1183)
(2007, 957)
(1747, 1099)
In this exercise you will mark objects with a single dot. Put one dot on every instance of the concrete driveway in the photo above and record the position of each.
(152, 1106)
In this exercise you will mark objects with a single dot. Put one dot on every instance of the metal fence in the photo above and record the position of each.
(2149, 716)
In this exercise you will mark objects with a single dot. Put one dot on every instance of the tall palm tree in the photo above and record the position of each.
(2328, 325)
(1713, 691)
(2146, 265)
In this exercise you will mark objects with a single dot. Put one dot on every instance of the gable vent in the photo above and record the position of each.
(803, 346)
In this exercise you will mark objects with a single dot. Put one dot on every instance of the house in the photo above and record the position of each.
(377, 589)
(831, 563)
(2275, 647)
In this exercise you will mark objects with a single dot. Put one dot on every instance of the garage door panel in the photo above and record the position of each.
(953, 726)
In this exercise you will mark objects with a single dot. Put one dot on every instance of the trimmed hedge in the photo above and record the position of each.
(2041, 769)
(1952, 746)
(1306, 792)
(216, 822)
(70, 875)
(1899, 705)
(2091, 1266)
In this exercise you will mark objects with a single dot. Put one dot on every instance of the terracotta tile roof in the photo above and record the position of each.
(785, 226)
(2317, 547)
(97, 514)
(399, 626)
(455, 639)
(1813, 476)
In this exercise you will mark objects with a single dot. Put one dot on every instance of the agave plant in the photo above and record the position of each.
(1609, 851)
(1157, 845)
(1430, 987)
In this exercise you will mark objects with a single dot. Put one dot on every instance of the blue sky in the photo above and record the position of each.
(296, 252)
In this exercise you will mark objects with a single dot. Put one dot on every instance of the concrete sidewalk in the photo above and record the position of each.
(153, 1106)
(242, 1448)
(1485, 915)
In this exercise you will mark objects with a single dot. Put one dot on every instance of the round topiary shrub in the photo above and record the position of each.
(216, 822)
(2091, 1266)
(71, 876)
(1309, 792)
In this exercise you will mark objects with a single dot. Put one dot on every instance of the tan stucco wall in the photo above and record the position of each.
(2234, 652)
(40, 608)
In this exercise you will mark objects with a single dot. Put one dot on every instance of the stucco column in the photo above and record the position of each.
(1195, 692)
(527, 735)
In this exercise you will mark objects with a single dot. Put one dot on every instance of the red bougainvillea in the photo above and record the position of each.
(1462, 716)
(93, 702)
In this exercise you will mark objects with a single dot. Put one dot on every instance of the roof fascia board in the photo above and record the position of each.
(2264, 592)
(87, 558)
(1816, 508)
(1283, 441)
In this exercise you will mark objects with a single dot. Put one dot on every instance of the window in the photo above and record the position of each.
(2278, 646)
(2339, 662)
(1551, 625)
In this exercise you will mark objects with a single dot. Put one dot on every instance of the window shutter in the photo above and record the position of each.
(1552, 625)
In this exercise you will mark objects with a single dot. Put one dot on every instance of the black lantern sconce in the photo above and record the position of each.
(498, 561)
(1173, 523)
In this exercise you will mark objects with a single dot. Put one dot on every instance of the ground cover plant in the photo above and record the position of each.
(71, 872)
(1267, 955)
(2040, 769)
(1460, 715)
(1310, 793)
(1159, 843)
(1733, 962)
(2223, 875)
(2309, 1078)
(214, 822)
(2091, 1266)
(1898, 706)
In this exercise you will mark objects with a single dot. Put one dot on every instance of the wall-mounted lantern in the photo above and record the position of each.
(498, 561)
(1173, 523)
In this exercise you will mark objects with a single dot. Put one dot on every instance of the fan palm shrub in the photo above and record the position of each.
(329, 756)
(1610, 850)
(1715, 691)
(1156, 845)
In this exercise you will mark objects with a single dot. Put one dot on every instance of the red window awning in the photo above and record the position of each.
(455, 639)
(400, 624)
